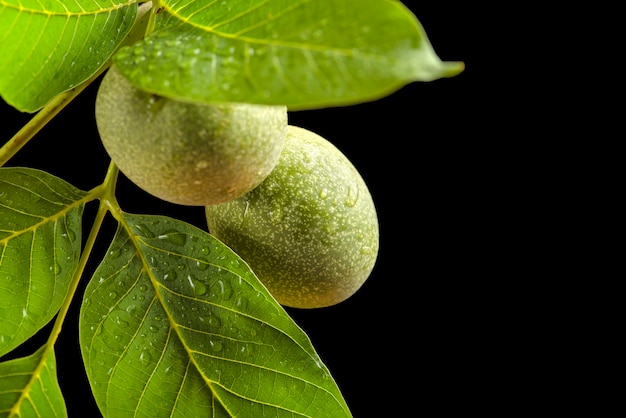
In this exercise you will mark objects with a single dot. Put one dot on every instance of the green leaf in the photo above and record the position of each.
(173, 323)
(47, 47)
(29, 387)
(40, 240)
(304, 54)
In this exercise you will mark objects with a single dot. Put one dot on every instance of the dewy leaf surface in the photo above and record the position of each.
(47, 47)
(173, 323)
(40, 242)
(301, 53)
(29, 387)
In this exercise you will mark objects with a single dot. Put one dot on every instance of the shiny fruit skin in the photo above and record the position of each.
(187, 153)
(309, 231)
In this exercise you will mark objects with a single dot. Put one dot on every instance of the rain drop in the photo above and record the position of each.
(174, 237)
(202, 264)
(144, 231)
(119, 321)
(71, 235)
(211, 320)
(246, 349)
(353, 196)
(200, 288)
(215, 345)
(170, 275)
(55, 268)
(145, 356)
(367, 250)
(241, 303)
(220, 287)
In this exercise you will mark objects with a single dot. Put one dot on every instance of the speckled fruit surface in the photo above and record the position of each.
(310, 230)
(188, 153)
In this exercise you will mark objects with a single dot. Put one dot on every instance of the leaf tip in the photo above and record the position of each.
(452, 68)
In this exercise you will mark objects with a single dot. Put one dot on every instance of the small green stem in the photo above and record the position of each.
(106, 193)
(78, 273)
(91, 239)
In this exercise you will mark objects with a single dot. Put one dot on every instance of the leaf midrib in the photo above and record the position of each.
(67, 13)
(266, 42)
(137, 241)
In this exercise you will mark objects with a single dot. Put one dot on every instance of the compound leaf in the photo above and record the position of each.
(47, 47)
(29, 387)
(173, 323)
(40, 242)
(304, 54)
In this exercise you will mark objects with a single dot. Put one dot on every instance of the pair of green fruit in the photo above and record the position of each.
(282, 197)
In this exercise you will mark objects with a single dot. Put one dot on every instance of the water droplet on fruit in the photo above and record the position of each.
(353, 196)
(367, 250)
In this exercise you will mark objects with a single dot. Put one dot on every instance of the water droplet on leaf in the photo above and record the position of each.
(174, 237)
(202, 264)
(200, 288)
(144, 231)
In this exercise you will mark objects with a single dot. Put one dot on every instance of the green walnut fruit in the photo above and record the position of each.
(188, 153)
(309, 231)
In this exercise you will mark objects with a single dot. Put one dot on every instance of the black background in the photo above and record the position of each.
(405, 342)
